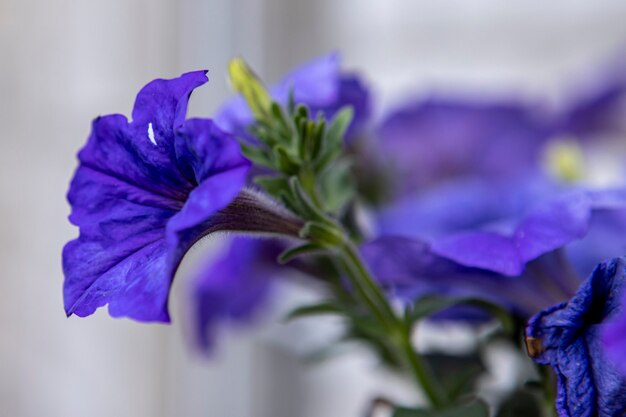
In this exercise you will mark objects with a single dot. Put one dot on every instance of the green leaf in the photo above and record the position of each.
(311, 211)
(338, 127)
(476, 408)
(302, 112)
(278, 115)
(332, 142)
(256, 155)
(336, 186)
(322, 234)
(318, 137)
(274, 185)
(313, 310)
(287, 163)
(306, 249)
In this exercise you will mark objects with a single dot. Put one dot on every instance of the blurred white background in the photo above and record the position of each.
(64, 62)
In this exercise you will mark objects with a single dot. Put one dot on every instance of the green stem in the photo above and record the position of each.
(399, 332)
(549, 390)
(367, 283)
(422, 374)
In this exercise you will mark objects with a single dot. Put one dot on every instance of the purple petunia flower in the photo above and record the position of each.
(567, 337)
(144, 192)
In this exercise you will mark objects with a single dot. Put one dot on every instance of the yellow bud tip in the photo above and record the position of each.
(565, 160)
(245, 82)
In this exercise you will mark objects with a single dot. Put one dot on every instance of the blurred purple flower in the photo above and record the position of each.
(513, 251)
(596, 108)
(409, 269)
(232, 288)
(320, 84)
(143, 193)
(502, 226)
(473, 191)
(438, 138)
(435, 139)
(567, 337)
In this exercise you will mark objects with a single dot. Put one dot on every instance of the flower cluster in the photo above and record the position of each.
(448, 208)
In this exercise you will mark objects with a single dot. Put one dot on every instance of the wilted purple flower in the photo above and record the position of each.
(319, 84)
(567, 337)
(143, 193)
(614, 336)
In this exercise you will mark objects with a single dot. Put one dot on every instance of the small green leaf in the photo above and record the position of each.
(287, 163)
(306, 249)
(302, 112)
(257, 155)
(332, 142)
(274, 185)
(338, 127)
(278, 115)
(311, 211)
(313, 310)
(322, 234)
(336, 185)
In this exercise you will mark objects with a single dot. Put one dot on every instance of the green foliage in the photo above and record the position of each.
(310, 175)
(476, 408)
(522, 403)
(456, 373)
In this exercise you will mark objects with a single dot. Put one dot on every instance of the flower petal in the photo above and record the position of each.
(409, 269)
(220, 170)
(502, 225)
(547, 227)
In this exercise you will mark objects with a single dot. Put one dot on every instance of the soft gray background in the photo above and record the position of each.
(64, 62)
